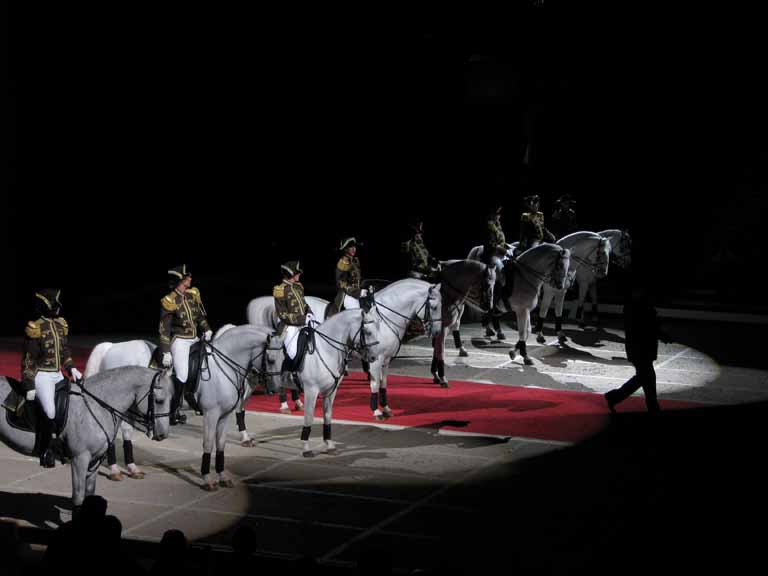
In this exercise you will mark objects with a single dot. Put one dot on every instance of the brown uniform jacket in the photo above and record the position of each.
(531, 228)
(290, 305)
(181, 316)
(45, 348)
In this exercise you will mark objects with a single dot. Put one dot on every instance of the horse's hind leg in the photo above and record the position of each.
(457, 335)
(593, 292)
(543, 309)
(221, 439)
(245, 438)
(438, 359)
(375, 383)
(330, 447)
(310, 399)
(583, 287)
(559, 302)
(386, 410)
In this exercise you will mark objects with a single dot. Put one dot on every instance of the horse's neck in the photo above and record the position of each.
(460, 281)
(342, 334)
(407, 305)
(238, 346)
(113, 391)
(536, 266)
(583, 249)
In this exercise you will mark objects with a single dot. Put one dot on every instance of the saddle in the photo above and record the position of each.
(23, 415)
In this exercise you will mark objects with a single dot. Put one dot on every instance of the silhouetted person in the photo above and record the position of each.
(642, 336)
(10, 548)
(243, 548)
(109, 549)
(173, 555)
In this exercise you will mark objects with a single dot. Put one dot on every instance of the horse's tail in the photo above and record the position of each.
(223, 329)
(93, 365)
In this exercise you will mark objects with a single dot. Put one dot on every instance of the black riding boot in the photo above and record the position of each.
(177, 417)
(46, 425)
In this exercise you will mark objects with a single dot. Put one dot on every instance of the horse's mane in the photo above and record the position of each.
(574, 237)
(543, 247)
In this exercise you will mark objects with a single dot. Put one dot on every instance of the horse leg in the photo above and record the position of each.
(133, 470)
(79, 466)
(245, 438)
(114, 472)
(559, 302)
(593, 291)
(523, 321)
(310, 397)
(375, 383)
(583, 287)
(221, 440)
(210, 420)
(457, 335)
(438, 361)
(283, 397)
(386, 410)
(90, 481)
(543, 309)
(330, 447)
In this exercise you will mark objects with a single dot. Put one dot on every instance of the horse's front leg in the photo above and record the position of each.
(310, 397)
(559, 303)
(386, 410)
(375, 383)
(523, 322)
(210, 421)
(79, 466)
(593, 293)
(583, 287)
(330, 446)
(457, 335)
(221, 440)
(245, 438)
(438, 359)
(133, 470)
(549, 293)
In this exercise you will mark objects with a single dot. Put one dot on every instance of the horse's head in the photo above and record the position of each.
(560, 269)
(623, 251)
(602, 258)
(368, 337)
(155, 404)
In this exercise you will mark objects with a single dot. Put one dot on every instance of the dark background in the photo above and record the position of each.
(235, 139)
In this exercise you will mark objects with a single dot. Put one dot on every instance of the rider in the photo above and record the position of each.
(421, 265)
(348, 278)
(564, 217)
(494, 250)
(294, 313)
(532, 229)
(46, 353)
(182, 320)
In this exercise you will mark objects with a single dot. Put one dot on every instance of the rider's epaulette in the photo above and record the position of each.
(278, 291)
(169, 302)
(526, 216)
(32, 329)
(195, 293)
(344, 264)
(63, 324)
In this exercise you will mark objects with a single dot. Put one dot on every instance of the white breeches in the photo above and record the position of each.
(45, 390)
(291, 341)
(180, 352)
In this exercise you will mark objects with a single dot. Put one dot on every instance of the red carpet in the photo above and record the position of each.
(480, 408)
(465, 406)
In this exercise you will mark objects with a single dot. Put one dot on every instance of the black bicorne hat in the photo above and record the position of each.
(48, 301)
(291, 268)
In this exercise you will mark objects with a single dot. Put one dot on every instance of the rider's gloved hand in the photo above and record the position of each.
(31, 395)
(76, 375)
(166, 360)
(208, 335)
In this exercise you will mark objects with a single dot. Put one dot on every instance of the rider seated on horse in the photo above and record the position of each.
(348, 278)
(564, 217)
(182, 319)
(291, 308)
(46, 353)
(421, 265)
(532, 229)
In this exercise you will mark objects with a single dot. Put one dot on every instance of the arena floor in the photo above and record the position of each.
(397, 481)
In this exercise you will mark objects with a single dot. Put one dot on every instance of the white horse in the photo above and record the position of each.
(322, 368)
(141, 396)
(224, 383)
(476, 253)
(621, 255)
(589, 251)
(397, 305)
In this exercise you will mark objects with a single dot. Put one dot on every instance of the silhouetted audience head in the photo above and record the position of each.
(93, 510)
(173, 543)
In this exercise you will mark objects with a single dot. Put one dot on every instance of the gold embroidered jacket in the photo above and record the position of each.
(46, 348)
(290, 305)
(181, 316)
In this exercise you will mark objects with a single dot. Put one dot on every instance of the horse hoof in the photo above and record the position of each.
(299, 405)
(250, 443)
(226, 483)
(331, 451)
(209, 487)
(444, 384)
(540, 339)
(379, 416)
(463, 352)
(527, 361)
(116, 476)
(308, 454)
(512, 354)
(285, 410)
(562, 338)
(138, 475)
(388, 413)
(435, 379)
